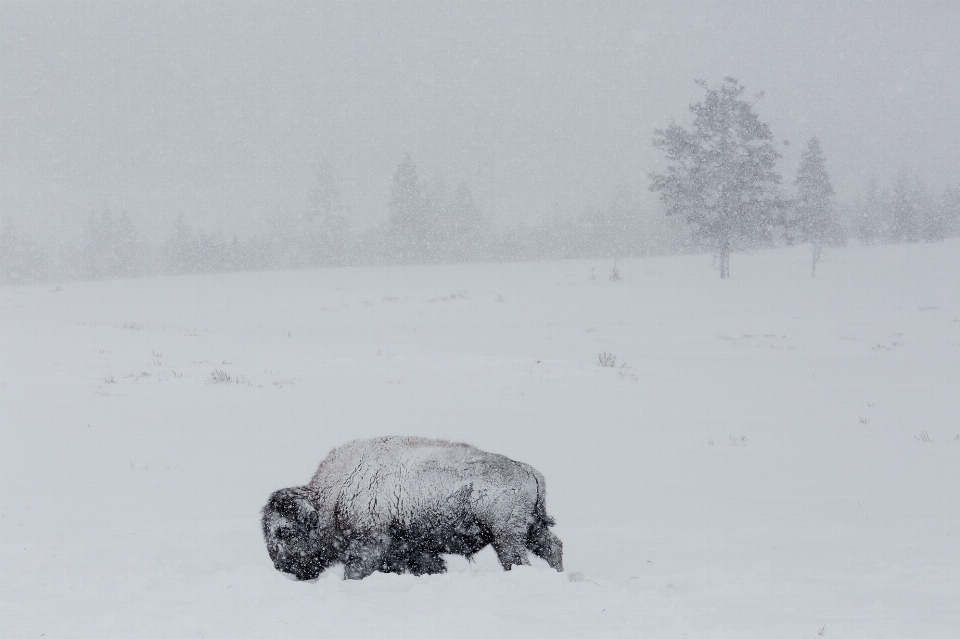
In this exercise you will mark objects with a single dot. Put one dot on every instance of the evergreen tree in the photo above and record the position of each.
(951, 210)
(209, 253)
(22, 261)
(436, 239)
(903, 221)
(287, 241)
(128, 259)
(96, 246)
(177, 253)
(814, 205)
(621, 224)
(409, 215)
(935, 222)
(722, 175)
(468, 228)
(867, 222)
(328, 227)
(235, 259)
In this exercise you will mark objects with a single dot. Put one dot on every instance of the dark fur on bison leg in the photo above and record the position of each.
(392, 564)
(403, 556)
(426, 564)
(546, 545)
(510, 551)
(361, 560)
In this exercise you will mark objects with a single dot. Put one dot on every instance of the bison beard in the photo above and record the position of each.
(395, 504)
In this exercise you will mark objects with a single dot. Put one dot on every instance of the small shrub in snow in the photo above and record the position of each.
(607, 360)
(109, 379)
(615, 273)
(923, 437)
(219, 377)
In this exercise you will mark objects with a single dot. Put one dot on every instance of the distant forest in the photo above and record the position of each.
(428, 225)
(727, 150)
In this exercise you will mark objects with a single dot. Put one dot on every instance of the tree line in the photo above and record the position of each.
(426, 223)
(721, 191)
(722, 179)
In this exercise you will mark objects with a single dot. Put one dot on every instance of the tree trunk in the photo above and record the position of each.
(815, 249)
(724, 259)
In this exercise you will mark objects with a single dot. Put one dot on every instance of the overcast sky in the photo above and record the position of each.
(223, 111)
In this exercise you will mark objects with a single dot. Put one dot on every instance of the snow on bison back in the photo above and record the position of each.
(395, 504)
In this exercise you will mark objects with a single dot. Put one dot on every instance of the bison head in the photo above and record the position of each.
(294, 534)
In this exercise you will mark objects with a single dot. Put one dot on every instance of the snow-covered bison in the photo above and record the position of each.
(395, 504)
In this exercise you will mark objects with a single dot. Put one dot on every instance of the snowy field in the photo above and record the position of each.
(770, 456)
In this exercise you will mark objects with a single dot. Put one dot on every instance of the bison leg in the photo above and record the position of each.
(546, 545)
(404, 557)
(510, 550)
(361, 560)
(426, 563)
(393, 564)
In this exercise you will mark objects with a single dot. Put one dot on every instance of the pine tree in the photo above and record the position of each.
(127, 255)
(326, 220)
(468, 228)
(935, 222)
(409, 216)
(622, 224)
(722, 177)
(437, 237)
(814, 205)
(96, 246)
(210, 253)
(902, 211)
(178, 251)
(22, 261)
(867, 223)
(951, 209)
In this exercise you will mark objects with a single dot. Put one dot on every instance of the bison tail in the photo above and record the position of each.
(542, 512)
(540, 508)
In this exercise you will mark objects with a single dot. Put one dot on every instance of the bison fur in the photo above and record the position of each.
(396, 504)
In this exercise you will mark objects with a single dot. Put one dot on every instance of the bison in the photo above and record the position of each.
(395, 504)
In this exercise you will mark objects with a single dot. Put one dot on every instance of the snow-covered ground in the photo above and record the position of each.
(779, 456)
